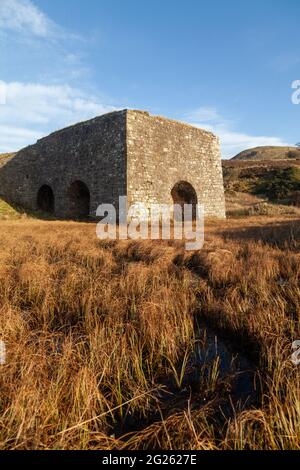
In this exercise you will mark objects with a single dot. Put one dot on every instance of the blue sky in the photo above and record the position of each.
(226, 66)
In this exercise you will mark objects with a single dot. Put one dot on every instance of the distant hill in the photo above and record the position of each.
(269, 153)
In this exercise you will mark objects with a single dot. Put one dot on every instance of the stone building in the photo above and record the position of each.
(149, 159)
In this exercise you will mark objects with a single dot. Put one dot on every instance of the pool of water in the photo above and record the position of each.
(213, 370)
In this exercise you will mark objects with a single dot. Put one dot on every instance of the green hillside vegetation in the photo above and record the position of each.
(255, 184)
(269, 153)
(279, 184)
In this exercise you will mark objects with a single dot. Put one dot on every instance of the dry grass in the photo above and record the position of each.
(8, 212)
(95, 331)
(5, 157)
(240, 204)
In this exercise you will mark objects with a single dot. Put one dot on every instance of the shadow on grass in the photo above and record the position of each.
(20, 212)
(281, 234)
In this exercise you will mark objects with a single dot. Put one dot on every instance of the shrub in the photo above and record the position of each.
(279, 183)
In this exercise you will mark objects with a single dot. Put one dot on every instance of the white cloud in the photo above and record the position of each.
(203, 114)
(33, 110)
(232, 142)
(23, 16)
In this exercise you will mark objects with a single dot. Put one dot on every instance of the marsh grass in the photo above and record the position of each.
(92, 329)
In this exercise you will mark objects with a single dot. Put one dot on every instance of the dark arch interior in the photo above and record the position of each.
(45, 199)
(79, 200)
(184, 193)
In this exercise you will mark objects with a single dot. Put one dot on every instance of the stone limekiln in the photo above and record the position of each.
(148, 158)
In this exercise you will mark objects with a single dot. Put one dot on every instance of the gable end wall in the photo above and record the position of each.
(162, 152)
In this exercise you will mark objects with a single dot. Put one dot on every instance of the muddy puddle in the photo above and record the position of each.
(215, 371)
(215, 351)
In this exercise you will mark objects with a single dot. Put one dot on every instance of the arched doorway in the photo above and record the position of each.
(45, 199)
(184, 193)
(79, 200)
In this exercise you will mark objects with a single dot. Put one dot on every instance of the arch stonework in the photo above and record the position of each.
(184, 193)
(46, 199)
(79, 199)
(124, 153)
(164, 152)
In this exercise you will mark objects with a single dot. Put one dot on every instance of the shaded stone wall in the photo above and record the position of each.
(162, 152)
(93, 152)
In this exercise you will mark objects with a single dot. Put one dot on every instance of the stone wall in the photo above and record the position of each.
(5, 158)
(93, 152)
(120, 153)
(162, 152)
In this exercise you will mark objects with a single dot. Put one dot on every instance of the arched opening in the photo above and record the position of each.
(45, 199)
(184, 193)
(79, 200)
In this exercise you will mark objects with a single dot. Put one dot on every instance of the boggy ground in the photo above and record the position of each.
(142, 345)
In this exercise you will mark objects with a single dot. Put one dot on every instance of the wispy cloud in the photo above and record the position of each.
(33, 110)
(52, 101)
(23, 16)
(232, 141)
(47, 51)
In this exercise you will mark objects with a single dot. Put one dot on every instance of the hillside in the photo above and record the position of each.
(269, 153)
(266, 187)
(6, 155)
(8, 212)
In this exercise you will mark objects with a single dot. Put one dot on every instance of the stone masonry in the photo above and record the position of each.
(126, 152)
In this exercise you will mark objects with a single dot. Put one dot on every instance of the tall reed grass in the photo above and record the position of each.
(95, 331)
